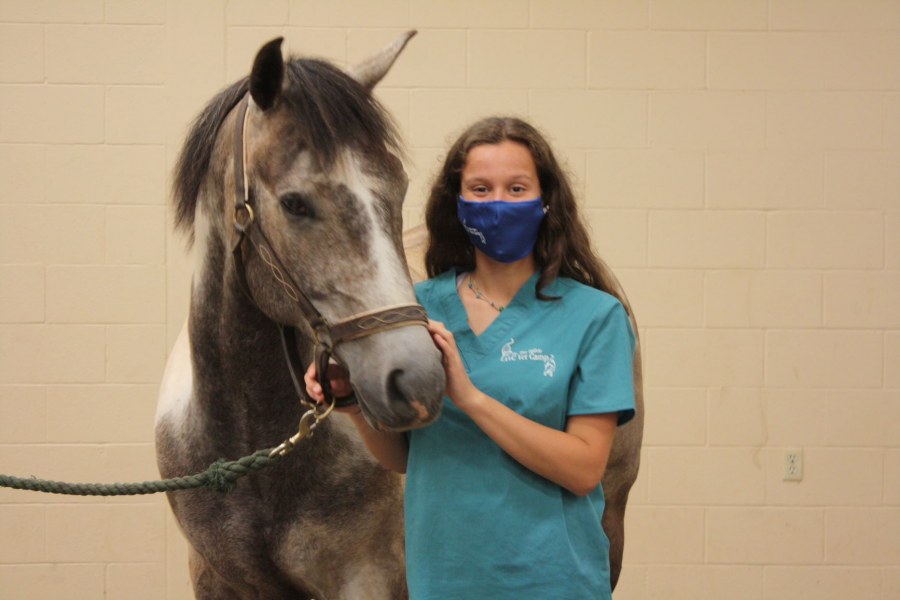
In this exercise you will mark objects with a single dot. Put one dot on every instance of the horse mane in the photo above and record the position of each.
(196, 154)
(331, 109)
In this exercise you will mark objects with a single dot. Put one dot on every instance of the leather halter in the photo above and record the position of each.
(327, 335)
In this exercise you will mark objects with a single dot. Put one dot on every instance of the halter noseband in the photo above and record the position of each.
(327, 335)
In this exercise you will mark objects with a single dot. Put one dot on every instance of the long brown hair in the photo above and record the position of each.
(563, 247)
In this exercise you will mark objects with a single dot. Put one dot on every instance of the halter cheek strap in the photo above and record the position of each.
(327, 336)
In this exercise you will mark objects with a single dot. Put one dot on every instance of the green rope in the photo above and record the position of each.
(221, 476)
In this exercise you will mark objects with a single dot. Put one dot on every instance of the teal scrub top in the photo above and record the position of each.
(478, 524)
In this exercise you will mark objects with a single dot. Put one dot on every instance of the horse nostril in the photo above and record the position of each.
(394, 388)
(410, 397)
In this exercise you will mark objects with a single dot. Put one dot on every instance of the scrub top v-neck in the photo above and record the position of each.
(477, 345)
(479, 524)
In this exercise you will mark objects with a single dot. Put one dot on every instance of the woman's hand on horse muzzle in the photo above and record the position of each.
(338, 377)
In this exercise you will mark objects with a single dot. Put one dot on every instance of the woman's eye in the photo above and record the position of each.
(297, 205)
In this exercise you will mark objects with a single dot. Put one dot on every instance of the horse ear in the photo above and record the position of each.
(372, 70)
(267, 74)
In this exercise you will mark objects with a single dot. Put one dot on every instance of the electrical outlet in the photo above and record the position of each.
(793, 464)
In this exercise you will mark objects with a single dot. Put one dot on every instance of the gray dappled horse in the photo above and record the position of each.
(325, 184)
(317, 157)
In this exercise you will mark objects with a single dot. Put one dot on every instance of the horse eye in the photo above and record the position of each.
(297, 205)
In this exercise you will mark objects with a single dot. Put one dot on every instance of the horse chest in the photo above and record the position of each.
(242, 536)
(330, 526)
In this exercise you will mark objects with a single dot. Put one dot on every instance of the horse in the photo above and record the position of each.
(325, 182)
(289, 186)
(625, 455)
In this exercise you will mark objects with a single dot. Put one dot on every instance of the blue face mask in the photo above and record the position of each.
(505, 231)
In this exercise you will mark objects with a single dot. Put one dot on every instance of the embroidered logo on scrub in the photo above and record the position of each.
(507, 354)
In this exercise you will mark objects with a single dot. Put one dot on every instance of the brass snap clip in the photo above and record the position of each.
(308, 423)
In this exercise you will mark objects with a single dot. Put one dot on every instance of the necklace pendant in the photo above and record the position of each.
(479, 296)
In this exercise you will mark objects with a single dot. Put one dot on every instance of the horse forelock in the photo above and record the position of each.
(328, 109)
(332, 112)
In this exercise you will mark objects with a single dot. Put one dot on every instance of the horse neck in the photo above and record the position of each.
(242, 388)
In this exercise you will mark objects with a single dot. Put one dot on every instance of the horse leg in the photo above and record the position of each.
(209, 585)
(373, 582)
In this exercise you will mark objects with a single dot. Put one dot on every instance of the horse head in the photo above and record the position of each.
(318, 160)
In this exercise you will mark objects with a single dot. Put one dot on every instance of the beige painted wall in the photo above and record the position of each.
(740, 164)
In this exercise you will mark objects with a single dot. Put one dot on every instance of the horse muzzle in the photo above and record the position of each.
(397, 378)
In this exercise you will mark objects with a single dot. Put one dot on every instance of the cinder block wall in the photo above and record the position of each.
(740, 164)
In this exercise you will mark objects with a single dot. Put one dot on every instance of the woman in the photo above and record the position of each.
(503, 495)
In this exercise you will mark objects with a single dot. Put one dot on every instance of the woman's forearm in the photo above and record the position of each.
(389, 448)
(574, 459)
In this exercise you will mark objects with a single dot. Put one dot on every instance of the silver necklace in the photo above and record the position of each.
(479, 295)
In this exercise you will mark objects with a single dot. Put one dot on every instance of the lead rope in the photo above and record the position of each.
(221, 476)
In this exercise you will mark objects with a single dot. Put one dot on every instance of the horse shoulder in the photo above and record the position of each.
(176, 389)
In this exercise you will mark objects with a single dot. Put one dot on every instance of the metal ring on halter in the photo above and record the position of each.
(346, 401)
(246, 209)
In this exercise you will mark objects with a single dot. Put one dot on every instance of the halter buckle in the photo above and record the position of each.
(322, 337)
